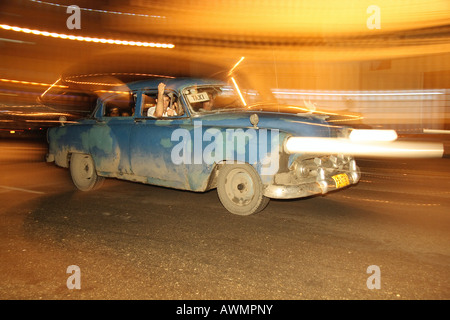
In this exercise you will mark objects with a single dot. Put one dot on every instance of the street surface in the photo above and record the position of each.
(134, 241)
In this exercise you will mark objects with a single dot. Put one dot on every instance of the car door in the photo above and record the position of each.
(110, 136)
(151, 147)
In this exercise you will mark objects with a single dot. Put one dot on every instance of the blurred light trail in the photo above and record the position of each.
(50, 121)
(394, 149)
(33, 83)
(16, 41)
(21, 189)
(379, 93)
(120, 74)
(373, 135)
(436, 131)
(101, 11)
(352, 117)
(87, 39)
(92, 83)
(113, 91)
(53, 85)
(390, 202)
(70, 79)
(239, 91)
(234, 67)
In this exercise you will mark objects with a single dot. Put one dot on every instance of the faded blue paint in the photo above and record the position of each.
(141, 150)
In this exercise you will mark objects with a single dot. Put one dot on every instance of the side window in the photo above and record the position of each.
(148, 102)
(205, 98)
(120, 105)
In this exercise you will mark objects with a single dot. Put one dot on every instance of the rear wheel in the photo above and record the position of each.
(82, 170)
(240, 189)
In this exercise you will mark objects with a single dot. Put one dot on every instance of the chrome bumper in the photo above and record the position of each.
(321, 186)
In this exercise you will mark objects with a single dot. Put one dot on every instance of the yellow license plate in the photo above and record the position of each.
(341, 180)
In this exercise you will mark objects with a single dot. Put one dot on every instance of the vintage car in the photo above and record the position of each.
(223, 136)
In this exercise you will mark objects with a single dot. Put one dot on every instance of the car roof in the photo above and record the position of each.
(173, 83)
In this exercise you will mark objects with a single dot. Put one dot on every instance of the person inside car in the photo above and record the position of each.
(208, 105)
(163, 106)
(114, 112)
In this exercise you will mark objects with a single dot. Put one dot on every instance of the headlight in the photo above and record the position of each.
(301, 171)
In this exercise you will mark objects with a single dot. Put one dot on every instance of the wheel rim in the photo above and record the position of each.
(83, 171)
(239, 187)
(86, 169)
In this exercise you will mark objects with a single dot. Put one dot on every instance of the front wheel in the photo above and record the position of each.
(240, 189)
(82, 170)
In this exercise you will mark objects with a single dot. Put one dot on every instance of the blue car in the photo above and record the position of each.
(212, 134)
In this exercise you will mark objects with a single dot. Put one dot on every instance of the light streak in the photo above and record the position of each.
(436, 131)
(113, 91)
(32, 83)
(120, 74)
(90, 83)
(404, 93)
(239, 91)
(390, 149)
(373, 135)
(70, 78)
(390, 202)
(50, 121)
(21, 189)
(87, 39)
(234, 67)
(54, 84)
(328, 113)
(101, 11)
(16, 41)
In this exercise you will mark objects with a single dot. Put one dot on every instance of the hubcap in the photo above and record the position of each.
(86, 170)
(239, 187)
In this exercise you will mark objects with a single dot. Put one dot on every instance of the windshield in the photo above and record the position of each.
(217, 98)
(224, 98)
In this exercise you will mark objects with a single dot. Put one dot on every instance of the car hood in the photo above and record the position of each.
(306, 125)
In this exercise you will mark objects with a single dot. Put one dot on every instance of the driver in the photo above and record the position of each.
(208, 105)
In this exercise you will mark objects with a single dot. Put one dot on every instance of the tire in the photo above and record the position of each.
(83, 172)
(240, 189)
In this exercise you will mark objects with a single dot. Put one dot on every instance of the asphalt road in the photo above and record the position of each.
(134, 241)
